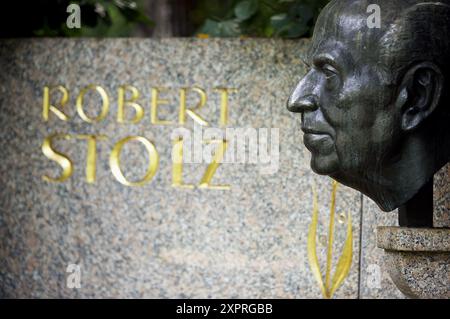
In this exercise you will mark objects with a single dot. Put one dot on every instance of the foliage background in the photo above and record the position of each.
(121, 18)
(258, 18)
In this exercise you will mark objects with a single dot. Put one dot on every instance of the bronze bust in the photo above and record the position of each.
(374, 103)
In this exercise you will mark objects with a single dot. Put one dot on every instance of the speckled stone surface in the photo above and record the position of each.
(414, 239)
(375, 282)
(156, 241)
(420, 274)
(441, 193)
(417, 259)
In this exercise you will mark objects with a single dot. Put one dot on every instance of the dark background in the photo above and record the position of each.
(161, 18)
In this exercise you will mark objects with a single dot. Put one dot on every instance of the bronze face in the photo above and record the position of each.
(372, 100)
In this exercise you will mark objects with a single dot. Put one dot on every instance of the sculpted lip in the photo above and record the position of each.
(317, 141)
(311, 131)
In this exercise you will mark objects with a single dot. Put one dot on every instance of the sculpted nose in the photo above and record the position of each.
(302, 104)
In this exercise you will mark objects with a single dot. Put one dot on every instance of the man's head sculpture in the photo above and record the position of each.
(375, 102)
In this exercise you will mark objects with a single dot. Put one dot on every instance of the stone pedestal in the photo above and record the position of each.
(441, 198)
(418, 259)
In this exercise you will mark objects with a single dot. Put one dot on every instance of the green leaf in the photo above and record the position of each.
(229, 28)
(245, 9)
(269, 31)
(301, 13)
(296, 30)
(279, 21)
(292, 24)
(210, 27)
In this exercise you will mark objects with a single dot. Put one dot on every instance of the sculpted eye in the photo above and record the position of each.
(331, 76)
(329, 71)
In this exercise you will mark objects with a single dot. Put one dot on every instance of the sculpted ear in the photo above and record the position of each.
(419, 94)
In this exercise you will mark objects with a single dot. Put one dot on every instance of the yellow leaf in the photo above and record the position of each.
(330, 238)
(312, 255)
(345, 260)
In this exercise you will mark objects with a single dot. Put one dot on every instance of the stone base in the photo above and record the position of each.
(418, 260)
(441, 198)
